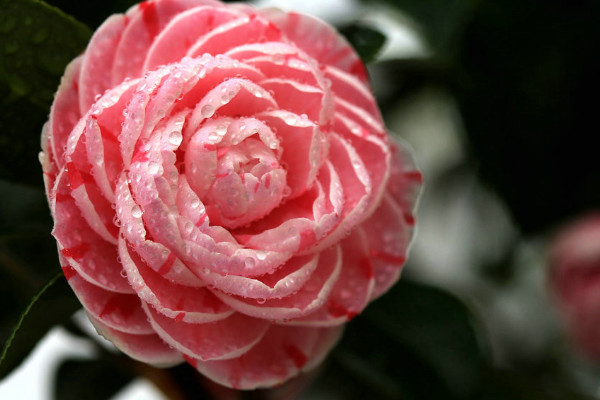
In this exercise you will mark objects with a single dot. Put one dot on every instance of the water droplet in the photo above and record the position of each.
(188, 227)
(290, 119)
(207, 111)
(258, 93)
(249, 262)
(195, 203)
(261, 300)
(175, 138)
(153, 167)
(261, 255)
(221, 130)
(136, 211)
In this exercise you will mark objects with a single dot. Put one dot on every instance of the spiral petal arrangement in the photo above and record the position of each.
(223, 188)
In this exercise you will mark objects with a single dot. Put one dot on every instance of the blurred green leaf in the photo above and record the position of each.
(396, 81)
(519, 385)
(36, 42)
(416, 342)
(89, 379)
(526, 87)
(442, 21)
(27, 250)
(52, 305)
(366, 40)
(23, 209)
(93, 13)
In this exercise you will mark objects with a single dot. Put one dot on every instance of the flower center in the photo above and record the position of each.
(233, 166)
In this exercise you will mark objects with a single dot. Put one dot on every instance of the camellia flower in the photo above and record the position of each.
(223, 188)
(575, 280)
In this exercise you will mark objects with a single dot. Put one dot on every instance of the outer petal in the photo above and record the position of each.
(217, 340)
(96, 78)
(145, 348)
(91, 256)
(282, 353)
(115, 310)
(318, 39)
(64, 113)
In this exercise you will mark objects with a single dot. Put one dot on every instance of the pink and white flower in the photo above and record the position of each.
(575, 281)
(223, 188)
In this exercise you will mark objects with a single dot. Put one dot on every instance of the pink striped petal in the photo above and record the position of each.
(312, 295)
(235, 33)
(352, 292)
(146, 20)
(282, 353)
(180, 33)
(219, 340)
(357, 188)
(373, 150)
(91, 256)
(353, 90)
(182, 303)
(318, 39)
(115, 310)
(145, 348)
(388, 237)
(296, 97)
(304, 147)
(96, 78)
(64, 113)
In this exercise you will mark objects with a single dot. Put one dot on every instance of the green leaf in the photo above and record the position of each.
(366, 40)
(89, 379)
(442, 20)
(529, 74)
(53, 304)
(416, 342)
(37, 41)
(93, 13)
(24, 209)
(25, 224)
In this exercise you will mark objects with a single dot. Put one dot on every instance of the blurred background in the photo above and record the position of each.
(498, 100)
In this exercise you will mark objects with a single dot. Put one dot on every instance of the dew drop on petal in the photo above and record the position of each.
(153, 167)
(136, 212)
(290, 119)
(175, 138)
(261, 300)
(221, 130)
(249, 262)
(207, 111)
(195, 203)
